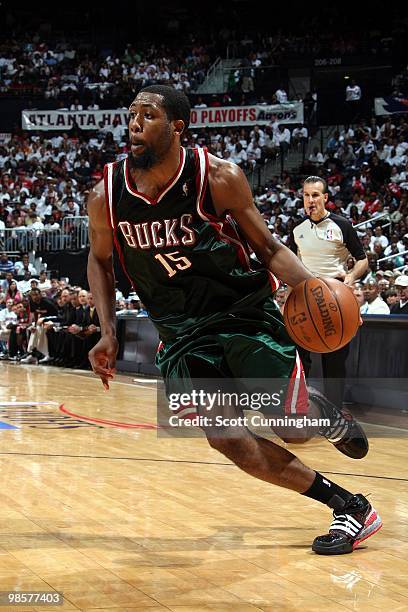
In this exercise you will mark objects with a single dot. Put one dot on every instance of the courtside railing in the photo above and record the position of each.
(385, 216)
(394, 256)
(72, 235)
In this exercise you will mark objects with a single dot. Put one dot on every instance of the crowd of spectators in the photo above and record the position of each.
(48, 321)
(378, 293)
(80, 77)
(45, 178)
(250, 146)
(366, 168)
(383, 293)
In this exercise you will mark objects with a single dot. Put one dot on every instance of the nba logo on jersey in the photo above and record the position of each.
(185, 189)
(329, 234)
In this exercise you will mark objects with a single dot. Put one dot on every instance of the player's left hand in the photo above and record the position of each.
(103, 359)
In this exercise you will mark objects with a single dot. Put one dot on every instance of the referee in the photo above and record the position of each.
(324, 241)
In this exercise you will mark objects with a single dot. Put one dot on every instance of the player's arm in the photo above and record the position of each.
(231, 193)
(102, 284)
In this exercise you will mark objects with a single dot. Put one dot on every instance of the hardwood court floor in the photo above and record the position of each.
(116, 518)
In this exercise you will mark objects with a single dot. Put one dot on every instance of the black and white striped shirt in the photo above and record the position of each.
(324, 246)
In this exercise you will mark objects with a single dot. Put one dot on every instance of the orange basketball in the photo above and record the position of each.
(322, 315)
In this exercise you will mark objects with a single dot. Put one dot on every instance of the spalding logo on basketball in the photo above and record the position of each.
(322, 315)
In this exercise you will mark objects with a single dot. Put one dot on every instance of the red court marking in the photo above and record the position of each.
(107, 422)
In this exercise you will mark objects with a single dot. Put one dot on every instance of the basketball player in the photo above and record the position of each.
(176, 217)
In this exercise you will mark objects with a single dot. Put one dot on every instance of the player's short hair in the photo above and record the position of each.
(175, 102)
(316, 179)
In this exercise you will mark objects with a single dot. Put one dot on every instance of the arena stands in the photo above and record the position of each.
(46, 176)
(52, 323)
(45, 181)
(44, 58)
(77, 79)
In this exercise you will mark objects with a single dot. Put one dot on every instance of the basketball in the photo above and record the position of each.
(322, 315)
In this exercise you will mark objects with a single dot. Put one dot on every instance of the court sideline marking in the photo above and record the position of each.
(217, 463)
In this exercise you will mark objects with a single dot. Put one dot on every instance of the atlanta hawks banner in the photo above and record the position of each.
(227, 116)
(66, 120)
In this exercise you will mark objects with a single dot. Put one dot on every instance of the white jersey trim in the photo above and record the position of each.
(110, 192)
(153, 201)
(217, 223)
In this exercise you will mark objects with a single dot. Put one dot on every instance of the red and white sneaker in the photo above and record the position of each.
(356, 522)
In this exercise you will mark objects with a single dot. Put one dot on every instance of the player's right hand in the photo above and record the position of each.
(103, 358)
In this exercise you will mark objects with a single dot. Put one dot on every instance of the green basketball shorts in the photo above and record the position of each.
(249, 344)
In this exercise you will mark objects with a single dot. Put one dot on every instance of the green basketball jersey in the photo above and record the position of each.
(187, 265)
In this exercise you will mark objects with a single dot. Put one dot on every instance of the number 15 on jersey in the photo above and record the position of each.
(173, 262)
